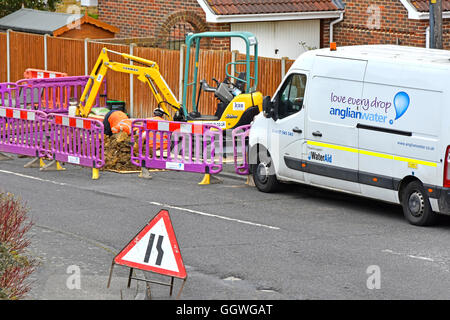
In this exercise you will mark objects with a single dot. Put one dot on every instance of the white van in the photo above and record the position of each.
(373, 121)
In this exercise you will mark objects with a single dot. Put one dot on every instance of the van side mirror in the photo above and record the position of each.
(267, 107)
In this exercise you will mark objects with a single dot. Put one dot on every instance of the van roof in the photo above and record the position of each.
(404, 54)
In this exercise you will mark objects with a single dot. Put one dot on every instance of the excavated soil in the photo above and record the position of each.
(117, 153)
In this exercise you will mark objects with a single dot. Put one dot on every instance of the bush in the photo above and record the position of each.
(15, 266)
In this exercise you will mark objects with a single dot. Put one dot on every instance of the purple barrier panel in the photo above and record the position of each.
(76, 140)
(23, 132)
(177, 146)
(240, 148)
(8, 93)
(50, 95)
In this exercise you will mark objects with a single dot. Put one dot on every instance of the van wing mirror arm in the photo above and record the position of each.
(268, 108)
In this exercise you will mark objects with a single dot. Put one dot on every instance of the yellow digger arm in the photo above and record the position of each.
(148, 73)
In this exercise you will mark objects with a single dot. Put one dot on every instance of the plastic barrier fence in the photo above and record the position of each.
(177, 146)
(23, 132)
(240, 149)
(52, 136)
(42, 74)
(76, 140)
(51, 95)
(8, 92)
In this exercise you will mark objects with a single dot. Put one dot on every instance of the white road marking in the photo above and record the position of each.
(214, 215)
(155, 203)
(420, 258)
(408, 255)
(231, 278)
(33, 178)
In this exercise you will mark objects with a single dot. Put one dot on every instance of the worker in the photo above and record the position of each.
(117, 121)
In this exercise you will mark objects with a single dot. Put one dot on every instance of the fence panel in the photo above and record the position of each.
(169, 66)
(3, 58)
(289, 64)
(66, 55)
(212, 64)
(27, 51)
(118, 83)
(23, 132)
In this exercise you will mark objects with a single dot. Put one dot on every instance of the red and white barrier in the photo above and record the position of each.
(175, 127)
(42, 74)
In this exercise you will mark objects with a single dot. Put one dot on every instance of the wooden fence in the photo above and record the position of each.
(68, 55)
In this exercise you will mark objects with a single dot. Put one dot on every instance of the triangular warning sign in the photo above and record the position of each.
(155, 249)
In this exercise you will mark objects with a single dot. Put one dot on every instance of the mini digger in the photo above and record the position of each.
(238, 102)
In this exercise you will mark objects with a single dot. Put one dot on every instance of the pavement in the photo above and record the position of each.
(59, 276)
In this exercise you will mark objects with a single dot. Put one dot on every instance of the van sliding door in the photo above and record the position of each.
(399, 128)
(335, 93)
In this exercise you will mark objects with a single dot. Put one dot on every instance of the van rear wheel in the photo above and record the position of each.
(416, 205)
(264, 173)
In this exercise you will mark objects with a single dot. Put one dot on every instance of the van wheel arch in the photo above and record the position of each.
(415, 202)
(406, 180)
(262, 169)
(254, 152)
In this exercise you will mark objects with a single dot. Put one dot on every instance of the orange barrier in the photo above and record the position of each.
(42, 74)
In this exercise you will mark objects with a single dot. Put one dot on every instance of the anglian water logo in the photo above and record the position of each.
(374, 109)
(401, 104)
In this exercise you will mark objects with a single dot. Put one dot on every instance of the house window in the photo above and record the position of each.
(177, 35)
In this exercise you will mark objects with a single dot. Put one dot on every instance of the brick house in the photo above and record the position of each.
(403, 22)
(282, 28)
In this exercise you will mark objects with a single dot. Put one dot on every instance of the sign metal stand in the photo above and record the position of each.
(163, 258)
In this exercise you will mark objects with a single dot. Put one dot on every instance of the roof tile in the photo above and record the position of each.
(423, 5)
(229, 7)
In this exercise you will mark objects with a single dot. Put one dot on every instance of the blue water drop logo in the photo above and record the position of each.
(401, 104)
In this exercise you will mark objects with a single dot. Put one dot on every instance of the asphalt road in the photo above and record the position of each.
(236, 242)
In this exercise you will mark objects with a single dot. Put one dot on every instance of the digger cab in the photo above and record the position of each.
(237, 100)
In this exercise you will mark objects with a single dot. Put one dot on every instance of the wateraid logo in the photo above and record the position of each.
(401, 104)
(320, 157)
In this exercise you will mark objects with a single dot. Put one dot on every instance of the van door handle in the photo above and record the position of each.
(297, 130)
(317, 134)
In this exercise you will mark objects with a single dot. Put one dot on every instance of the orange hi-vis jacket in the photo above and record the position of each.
(119, 121)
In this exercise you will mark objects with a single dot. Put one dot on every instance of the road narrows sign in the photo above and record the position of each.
(155, 249)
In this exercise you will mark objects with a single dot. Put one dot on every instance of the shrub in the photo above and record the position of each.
(15, 266)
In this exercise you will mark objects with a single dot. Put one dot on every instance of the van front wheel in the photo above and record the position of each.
(264, 173)
(416, 205)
